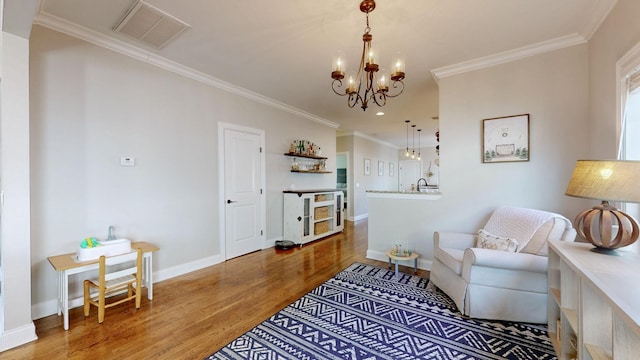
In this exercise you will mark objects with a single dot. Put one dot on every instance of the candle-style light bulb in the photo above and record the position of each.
(382, 83)
(371, 59)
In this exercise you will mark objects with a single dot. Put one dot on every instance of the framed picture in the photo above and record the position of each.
(380, 167)
(391, 168)
(367, 167)
(505, 139)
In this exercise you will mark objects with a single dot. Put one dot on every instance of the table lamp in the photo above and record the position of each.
(606, 180)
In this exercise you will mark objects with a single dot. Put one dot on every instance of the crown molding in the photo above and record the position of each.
(601, 10)
(508, 56)
(376, 140)
(61, 25)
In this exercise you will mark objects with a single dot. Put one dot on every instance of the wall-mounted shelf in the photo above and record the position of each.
(306, 156)
(311, 171)
(314, 164)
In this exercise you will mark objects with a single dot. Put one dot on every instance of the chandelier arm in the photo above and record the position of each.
(353, 99)
(396, 86)
(333, 87)
(380, 98)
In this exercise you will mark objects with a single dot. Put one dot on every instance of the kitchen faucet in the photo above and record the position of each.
(418, 184)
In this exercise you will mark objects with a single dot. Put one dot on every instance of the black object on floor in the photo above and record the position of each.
(285, 244)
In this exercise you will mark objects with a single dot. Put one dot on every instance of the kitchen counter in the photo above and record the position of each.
(432, 194)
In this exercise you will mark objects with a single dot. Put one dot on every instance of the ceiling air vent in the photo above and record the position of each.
(150, 25)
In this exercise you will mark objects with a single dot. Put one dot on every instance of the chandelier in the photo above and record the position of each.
(375, 88)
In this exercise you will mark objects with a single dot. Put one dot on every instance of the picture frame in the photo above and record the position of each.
(367, 167)
(505, 139)
(380, 167)
(391, 169)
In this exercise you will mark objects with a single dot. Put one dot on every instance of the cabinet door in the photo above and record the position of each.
(296, 218)
(339, 205)
(306, 217)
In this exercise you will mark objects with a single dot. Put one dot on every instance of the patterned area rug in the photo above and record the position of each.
(366, 312)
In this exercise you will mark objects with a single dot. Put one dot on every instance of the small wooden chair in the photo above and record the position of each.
(112, 279)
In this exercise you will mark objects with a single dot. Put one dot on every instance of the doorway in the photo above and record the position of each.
(241, 190)
(342, 180)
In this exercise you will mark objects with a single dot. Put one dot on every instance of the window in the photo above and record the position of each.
(628, 71)
(629, 148)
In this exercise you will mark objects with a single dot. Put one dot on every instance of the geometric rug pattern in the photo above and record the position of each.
(366, 312)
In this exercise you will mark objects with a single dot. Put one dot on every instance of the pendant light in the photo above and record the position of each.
(406, 154)
(413, 144)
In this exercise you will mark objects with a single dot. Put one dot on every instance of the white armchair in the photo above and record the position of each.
(494, 284)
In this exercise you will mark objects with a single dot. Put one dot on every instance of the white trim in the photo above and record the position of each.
(625, 66)
(598, 15)
(61, 25)
(221, 177)
(365, 136)
(360, 217)
(508, 56)
(18, 336)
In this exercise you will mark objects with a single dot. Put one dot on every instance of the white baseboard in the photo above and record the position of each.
(267, 244)
(381, 256)
(187, 268)
(359, 217)
(18, 336)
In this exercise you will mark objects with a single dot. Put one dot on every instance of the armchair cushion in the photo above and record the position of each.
(497, 260)
(487, 240)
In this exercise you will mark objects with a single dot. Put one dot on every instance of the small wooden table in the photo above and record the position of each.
(392, 256)
(67, 265)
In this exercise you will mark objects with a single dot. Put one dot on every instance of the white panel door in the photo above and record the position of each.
(243, 178)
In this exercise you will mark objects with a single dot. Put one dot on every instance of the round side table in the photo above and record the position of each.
(392, 256)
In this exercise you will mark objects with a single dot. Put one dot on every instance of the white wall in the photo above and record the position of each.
(17, 327)
(552, 88)
(91, 106)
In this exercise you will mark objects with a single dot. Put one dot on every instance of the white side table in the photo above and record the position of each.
(393, 256)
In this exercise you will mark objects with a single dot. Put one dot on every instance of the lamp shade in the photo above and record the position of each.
(608, 180)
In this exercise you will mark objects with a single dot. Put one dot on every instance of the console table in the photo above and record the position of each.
(66, 265)
(593, 299)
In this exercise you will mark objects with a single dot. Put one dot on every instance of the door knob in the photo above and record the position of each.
(230, 201)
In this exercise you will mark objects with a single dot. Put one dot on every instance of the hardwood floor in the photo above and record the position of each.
(194, 315)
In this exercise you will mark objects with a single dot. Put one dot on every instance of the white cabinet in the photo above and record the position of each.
(312, 214)
(594, 302)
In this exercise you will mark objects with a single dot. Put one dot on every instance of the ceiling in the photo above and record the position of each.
(282, 49)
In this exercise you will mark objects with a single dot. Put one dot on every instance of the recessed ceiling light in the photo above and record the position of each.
(380, 113)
